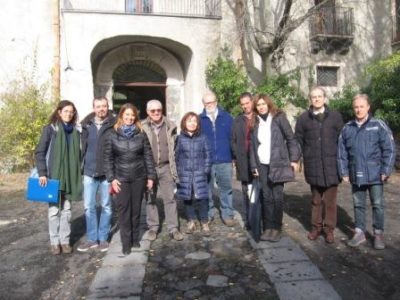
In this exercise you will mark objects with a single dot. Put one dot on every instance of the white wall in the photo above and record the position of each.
(25, 26)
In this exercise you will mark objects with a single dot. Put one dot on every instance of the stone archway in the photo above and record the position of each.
(103, 78)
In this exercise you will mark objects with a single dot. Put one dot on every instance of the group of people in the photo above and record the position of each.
(122, 156)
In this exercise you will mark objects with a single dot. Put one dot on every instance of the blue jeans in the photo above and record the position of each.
(377, 201)
(97, 231)
(202, 209)
(221, 174)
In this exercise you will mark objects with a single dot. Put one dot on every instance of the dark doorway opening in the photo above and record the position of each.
(138, 94)
(137, 82)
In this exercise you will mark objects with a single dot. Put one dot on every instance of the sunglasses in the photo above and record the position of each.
(153, 111)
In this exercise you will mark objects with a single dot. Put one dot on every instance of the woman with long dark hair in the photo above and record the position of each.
(274, 155)
(129, 166)
(57, 156)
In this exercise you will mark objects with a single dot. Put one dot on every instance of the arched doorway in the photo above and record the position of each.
(155, 73)
(137, 82)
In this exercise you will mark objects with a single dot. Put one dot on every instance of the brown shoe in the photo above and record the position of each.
(191, 227)
(266, 235)
(275, 236)
(66, 249)
(55, 249)
(205, 229)
(151, 235)
(230, 222)
(176, 235)
(329, 237)
(314, 234)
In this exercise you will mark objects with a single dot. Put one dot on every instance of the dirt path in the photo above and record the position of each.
(27, 270)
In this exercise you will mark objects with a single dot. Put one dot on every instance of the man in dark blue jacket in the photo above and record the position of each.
(216, 124)
(366, 156)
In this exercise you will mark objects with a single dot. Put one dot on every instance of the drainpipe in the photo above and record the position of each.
(56, 49)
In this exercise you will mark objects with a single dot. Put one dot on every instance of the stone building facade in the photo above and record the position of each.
(136, 50)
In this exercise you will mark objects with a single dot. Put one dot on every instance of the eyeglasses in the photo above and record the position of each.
(209, 103)
(153, 111)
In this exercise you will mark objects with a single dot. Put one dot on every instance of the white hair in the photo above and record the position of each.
(152, 103)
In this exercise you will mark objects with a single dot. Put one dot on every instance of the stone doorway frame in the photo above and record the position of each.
(103, 81)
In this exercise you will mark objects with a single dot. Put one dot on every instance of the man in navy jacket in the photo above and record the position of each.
(216, 124)
(366, 156)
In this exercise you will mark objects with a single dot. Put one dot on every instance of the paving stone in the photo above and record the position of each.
(290, 271)
(188, 284)
(284, 254)
(284, 242)
(131, 259)
(192, 294)
(199, 255)
(217, 280)
(306, 290)
(109, 275)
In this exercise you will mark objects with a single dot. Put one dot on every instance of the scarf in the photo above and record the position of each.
(65, 165)
(128, 130)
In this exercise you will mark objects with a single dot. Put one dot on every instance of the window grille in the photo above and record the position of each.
(327, 76)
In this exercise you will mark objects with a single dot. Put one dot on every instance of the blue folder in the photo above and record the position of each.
(48, 193)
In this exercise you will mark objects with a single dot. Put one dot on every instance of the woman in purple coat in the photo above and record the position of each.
(193, 163)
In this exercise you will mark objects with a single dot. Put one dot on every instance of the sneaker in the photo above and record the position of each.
(103, 246)
(314, 234)
(230, 222)
(151, 235)
(266, 235)
(66, 249)
(205, 229)
(357, 240)
(379, 243)
(55, 249)
(87, 246)
(275, 236)
(191, 227)
(176, 235)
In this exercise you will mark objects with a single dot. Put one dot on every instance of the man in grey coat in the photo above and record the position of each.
(162, 135)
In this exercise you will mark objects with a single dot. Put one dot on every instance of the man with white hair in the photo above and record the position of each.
(216, 124)
(162, 135)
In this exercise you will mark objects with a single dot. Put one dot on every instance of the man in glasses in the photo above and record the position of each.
(216, 124)
(162, 135)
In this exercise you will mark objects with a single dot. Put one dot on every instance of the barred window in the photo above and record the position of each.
(327, 76)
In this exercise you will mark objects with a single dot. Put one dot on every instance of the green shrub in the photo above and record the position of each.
(279, 88)
(342, 102)
(227, 81)
(24, 110)
(384, 89)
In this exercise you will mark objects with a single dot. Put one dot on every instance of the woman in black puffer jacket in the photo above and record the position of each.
(193, 163)
(129, 166)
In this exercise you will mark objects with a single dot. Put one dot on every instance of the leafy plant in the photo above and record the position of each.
(227, 81)
(281, 90)
(342, 102)
(384, 89)
(24, 110)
